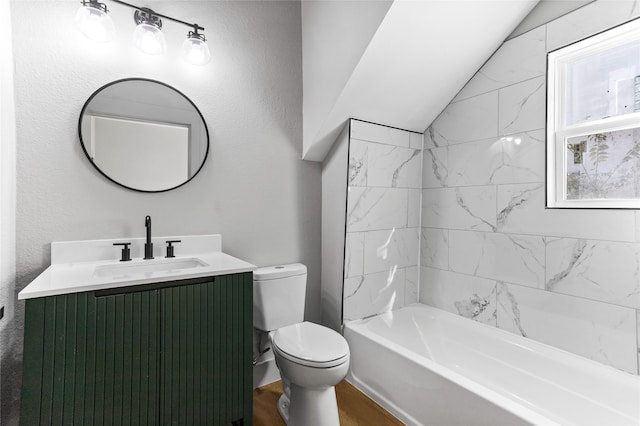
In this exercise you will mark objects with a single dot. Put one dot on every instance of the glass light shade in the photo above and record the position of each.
(195, 51)
(149, 39)
(95, 23)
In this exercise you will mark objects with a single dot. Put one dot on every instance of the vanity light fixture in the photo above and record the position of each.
(94, 21)
(195, 49)
(148, 36)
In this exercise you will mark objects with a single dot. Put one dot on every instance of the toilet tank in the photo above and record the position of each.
(279, 296)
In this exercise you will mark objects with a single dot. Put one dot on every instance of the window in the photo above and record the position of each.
(593, 121)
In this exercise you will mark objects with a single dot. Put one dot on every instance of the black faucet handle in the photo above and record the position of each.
(170, 247)
(126, 251)
(148, 245)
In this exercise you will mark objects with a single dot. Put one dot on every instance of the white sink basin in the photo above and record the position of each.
(147, 266)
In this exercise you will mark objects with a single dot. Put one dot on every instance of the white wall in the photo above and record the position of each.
(7, 215)
(415, 63)
(335, 34)
(254, 189)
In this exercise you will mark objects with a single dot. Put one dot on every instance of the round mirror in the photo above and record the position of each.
(143, 134)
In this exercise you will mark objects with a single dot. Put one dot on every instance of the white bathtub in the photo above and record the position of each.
(431, 367)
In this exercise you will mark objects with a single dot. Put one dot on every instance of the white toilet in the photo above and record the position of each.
(311, 358)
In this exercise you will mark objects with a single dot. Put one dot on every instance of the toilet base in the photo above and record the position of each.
(283, 408)
(309, 407)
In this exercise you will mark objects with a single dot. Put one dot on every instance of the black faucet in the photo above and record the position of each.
(148, 246)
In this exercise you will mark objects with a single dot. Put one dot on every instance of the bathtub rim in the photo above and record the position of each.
(525, 413)
(481, 391)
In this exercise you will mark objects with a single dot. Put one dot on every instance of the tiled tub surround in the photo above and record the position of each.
(383, 219)
(490, 250)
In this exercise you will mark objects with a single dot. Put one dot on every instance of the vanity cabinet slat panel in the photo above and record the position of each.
(183, 310)
(167, 377)
(151, 360)
(127, 360)
(235, 330)
(199, 334)
(237, 339)
(165, 355)
(247, 345)
(222, 330)
(48, 378)
(75, 347)
(204, 354)
(121, 350)
(114, 336)
(214, 301)
(108, 367)
(79, 389)
(87, 398)
(33, 361)
(118, 361)
(98, 395)
(68, 349)
(59, 343)
(133, 388)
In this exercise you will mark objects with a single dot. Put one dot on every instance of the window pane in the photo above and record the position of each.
(603, 84)
(604, 165)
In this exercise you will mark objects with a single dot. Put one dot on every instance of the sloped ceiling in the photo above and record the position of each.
(396, 63)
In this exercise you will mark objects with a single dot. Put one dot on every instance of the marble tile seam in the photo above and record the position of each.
(524, 234)
(498, 137)
(386, 144)
(384, 187)
(581, 297)
(364, 231)
(507, 134)
(533, 288)
(480, 185)
(398, 268)
(524, 182)
(497, 89)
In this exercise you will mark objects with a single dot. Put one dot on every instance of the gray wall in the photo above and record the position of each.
(490, 250)
(7, 205)
(254, 189)
(334, 206)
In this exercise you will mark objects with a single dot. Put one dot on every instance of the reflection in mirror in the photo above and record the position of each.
(143, 135)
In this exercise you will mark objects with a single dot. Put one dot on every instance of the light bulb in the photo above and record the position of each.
(149, 39)
(95, 23)
(195, 50)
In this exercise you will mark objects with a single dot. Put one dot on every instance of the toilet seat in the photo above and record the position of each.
(311, 344)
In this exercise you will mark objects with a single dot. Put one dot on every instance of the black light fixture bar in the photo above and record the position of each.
(96, 4)
(196, 27)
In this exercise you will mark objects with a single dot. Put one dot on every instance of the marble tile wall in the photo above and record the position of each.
(382, 246)
(489, 250)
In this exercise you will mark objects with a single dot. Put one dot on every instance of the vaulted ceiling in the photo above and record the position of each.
(397, 63)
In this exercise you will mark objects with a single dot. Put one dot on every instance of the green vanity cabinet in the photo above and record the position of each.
(176, 353)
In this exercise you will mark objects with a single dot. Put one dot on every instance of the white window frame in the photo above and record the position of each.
(558, 132)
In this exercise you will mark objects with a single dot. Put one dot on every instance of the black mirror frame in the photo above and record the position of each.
(94, 94)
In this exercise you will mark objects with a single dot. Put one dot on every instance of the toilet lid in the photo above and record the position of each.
(311, 344)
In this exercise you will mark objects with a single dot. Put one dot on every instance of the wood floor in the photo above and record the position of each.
(354, 407)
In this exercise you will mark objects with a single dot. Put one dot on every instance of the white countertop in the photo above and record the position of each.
(65, 276)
